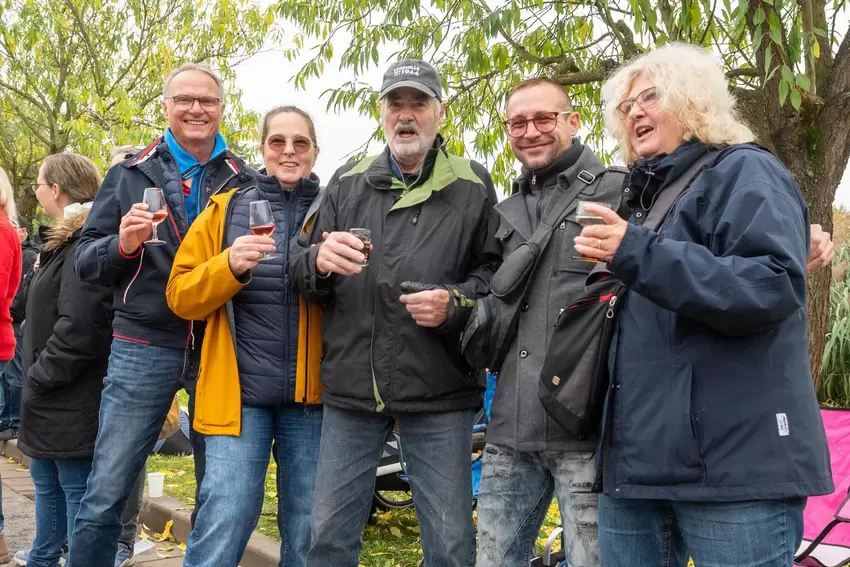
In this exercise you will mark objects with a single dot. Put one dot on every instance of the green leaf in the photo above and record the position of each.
(783, 91)
(796, 99)
(803, 81)
(775, 31)
(787, 75)
(759, 16)
(696, 15)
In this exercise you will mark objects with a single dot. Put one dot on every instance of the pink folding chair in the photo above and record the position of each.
(826, 530)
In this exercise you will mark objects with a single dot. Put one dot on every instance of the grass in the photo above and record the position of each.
(392, 542)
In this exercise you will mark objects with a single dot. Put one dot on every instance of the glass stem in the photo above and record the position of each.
(154, 233)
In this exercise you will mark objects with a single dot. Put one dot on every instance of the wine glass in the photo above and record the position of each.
(156, 206)
(262, 223)
(586, 218)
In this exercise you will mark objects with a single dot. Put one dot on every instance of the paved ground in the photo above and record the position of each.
(19, 515)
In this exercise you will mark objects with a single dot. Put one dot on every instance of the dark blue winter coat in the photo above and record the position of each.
(711, 396)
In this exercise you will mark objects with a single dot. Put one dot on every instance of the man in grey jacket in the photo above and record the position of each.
(529, 457)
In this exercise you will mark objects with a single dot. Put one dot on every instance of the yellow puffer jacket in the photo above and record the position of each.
(199, 288)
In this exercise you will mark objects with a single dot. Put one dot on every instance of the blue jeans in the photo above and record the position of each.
(10, 382)
(515, 495)
(59, 487)
(231, 493)
(3, 365)
(662, 533)
(138, 389)
(437, 450)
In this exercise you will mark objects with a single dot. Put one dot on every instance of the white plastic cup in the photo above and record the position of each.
(156, 481)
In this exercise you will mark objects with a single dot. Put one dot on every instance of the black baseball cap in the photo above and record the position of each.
(415, 74)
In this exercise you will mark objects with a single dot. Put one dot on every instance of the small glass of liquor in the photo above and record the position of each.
(365, 236)
(156, 205)
(586, 218)
(261, 222)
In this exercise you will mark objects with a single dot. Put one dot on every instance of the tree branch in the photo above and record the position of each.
(606, 66)
(809, 34)
(745, 72)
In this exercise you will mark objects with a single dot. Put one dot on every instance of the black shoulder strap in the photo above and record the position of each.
(668, 197)
(551, 216)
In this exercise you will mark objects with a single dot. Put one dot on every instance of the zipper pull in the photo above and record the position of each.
(534, 178)
(558, 318)
(610, 313)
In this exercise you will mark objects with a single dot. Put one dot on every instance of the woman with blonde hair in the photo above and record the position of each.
(10, 278)
(713, 438)
(66, 343)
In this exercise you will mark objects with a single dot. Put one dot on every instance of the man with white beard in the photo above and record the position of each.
(395, 301)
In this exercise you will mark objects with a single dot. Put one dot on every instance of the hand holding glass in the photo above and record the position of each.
(365, 236)
(262, 223)
(586, 218)
(156, 206)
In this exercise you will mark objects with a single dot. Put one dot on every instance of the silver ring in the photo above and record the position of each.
(599, 243)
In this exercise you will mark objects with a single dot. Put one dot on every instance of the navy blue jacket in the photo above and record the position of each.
(266, 310)
(138, 280)
(711, 396)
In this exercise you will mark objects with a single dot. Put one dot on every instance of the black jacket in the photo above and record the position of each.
(65, 351)
(19, 304)
(439, 230)
(138, 280)
(711, 396)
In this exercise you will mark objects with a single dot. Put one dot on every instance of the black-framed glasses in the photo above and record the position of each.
(544, 122)
(300, 144)
(646, 98)
(182, 102)
(34, 186)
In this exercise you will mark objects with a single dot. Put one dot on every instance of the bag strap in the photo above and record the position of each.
(543, 233)
(538, 242)
(668, 197)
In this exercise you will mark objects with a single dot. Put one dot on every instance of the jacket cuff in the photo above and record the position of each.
(626, 261)
(116, 255)
(319, 283)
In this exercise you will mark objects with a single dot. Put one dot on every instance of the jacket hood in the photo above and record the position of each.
(63, 232)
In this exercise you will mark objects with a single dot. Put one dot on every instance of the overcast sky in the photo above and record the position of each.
(265, 81)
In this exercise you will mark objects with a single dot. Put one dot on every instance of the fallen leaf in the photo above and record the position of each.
(395, 531)
(21, 470)
(166, 533)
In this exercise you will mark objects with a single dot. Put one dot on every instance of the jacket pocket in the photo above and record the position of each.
(567, 258)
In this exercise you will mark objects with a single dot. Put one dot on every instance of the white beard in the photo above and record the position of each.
(415, 148)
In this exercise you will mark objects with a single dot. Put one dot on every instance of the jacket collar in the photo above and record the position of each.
(648, 177)
(514, 209)
(187, 164)
(385, 173)
(549, 172)
(305, 188)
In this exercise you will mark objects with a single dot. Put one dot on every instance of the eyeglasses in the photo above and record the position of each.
(300, 144)
(645, 99)
(187, 102)
(34, 186)
(544, 122)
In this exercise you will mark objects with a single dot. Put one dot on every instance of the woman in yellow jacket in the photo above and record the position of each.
(258, 387)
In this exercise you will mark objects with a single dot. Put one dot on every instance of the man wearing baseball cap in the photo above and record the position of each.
(395, 304)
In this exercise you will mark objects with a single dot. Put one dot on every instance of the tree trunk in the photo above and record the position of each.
(818, 184)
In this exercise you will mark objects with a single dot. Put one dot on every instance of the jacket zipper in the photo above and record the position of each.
(288, 200)
(190, 338)
(133, 279)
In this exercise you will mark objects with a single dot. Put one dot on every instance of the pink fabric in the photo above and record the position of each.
(820, 510)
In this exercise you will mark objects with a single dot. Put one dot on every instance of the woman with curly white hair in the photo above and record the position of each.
(713, 438)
